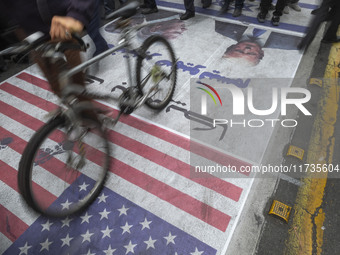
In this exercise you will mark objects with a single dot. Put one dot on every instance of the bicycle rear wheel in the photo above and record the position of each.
(63, 168)
(156, 71)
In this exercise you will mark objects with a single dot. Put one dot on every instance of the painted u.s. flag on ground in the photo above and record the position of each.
(150, 205)
(112, 225)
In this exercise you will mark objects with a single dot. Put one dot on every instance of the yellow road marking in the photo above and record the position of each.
(308, 216)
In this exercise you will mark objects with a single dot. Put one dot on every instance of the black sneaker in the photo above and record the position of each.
(237, 12)
(276, 20)
(261, 17)
(224, 8)
(187, 15)
(149, 10)
(206, 3)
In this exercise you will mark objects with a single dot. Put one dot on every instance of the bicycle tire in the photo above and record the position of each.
(41, 168)
(164, 63)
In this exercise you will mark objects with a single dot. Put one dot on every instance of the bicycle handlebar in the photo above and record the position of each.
(38, 39)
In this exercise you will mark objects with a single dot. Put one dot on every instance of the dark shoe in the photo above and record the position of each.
(261, 17)
(187, 15)
(149, 10)
(272, 7)
(224, 8)
(206, 4)
(315, 11)
(276, 20)
(237, 12)
(331, 40)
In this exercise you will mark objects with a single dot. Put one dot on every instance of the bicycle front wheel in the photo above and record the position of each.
(156, 72)
(63, 168)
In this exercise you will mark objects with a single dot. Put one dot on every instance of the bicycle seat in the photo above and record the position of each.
(125, 12)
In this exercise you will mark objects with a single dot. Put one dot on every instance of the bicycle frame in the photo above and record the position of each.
(124, 42)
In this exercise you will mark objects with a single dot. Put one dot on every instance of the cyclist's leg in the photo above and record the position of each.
(52, 69)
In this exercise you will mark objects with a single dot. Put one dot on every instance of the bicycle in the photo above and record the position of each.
(73, 144)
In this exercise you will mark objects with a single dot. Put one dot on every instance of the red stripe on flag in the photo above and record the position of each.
(34, 80)
(9, 177)
(12, 226)
(24, 118)
(28, 97)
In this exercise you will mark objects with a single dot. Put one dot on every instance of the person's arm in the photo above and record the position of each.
(78, 16)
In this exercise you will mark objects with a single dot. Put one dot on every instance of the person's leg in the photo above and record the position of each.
(280, 5)
(206, 3)
(331, 33)
(150, 4)
(189, 5)
(93, 31)
(264, 8)
(239, 4)
(150, 7)
(189, 10)
(225, 6)
(109, 6)
(52, 69)
(238, 8)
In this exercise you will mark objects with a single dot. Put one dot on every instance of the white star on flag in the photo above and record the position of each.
(126, 228)
(87, 236)
(45, 245)
(83, 186)
(146, 224)
(66, 240)
(123, 210)
(109, 250)
(66, 205)
(102, 198)
(85, 218)
(107, 232)
(66, 222)
(89, 253)
(196, 252)
(104, 214)
(150, 243)
(170, 239)
(130, 247)
(46, 226)
(24, 249)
